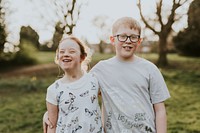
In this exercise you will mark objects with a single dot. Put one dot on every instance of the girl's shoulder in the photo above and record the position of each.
(55, 85)
(90, 76)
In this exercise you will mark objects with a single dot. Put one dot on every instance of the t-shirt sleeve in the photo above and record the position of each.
(51, 95)
(96, 69)
(158, 88)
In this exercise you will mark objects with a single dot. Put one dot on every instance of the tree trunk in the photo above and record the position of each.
(162, 59)
(101, 49)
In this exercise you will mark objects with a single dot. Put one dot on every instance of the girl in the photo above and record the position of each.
(72, 101)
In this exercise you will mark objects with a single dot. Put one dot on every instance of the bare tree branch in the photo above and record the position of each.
(165, 28)
(144, 20)
(171, 18)
(158, 12)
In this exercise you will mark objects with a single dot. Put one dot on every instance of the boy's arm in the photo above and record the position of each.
(46, 122)
(52, 116)
(161, 118)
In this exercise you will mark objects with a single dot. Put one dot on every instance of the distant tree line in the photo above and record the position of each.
(186, 42)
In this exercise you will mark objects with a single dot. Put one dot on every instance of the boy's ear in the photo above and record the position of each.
(112, 39)
(140, 41)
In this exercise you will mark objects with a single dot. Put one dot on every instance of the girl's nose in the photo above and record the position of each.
(66, 53)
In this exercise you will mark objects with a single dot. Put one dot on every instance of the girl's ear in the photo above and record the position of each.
(112, 40)
(83, 56)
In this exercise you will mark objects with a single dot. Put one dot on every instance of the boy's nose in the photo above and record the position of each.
(128, 40)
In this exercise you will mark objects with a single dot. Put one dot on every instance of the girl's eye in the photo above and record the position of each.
(72, 52)
(61, 52)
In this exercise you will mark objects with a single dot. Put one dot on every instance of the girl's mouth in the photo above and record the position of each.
(66, 60)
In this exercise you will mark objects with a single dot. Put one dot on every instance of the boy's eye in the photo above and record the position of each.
(122, 36)
(134, 36)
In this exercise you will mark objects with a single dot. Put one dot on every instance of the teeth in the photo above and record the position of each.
(127, 47)
(66, 60)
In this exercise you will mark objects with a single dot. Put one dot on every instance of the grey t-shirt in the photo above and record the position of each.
(129, 90)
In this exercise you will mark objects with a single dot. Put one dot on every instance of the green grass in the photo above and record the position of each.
(45, 57)
(22, 98)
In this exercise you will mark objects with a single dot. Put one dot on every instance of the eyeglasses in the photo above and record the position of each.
(132, 38)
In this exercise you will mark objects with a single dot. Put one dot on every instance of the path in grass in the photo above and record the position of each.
(30, 70)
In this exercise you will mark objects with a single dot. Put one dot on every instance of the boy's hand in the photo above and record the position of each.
(46, 122)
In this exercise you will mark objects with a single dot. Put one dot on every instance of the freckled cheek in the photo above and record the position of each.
(59, 58)
(119, 47)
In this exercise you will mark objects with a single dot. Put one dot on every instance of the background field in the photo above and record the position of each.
(22, 93)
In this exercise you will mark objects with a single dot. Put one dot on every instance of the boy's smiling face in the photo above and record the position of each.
(125, 50)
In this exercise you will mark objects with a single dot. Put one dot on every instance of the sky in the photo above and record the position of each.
(40, 15)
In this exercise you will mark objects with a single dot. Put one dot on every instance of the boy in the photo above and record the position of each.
(132, 88)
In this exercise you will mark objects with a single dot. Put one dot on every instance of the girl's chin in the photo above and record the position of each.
(66, 68)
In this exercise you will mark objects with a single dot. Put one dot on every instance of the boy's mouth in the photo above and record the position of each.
(127, 47)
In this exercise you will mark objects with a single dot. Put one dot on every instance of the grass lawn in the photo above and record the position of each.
(22, 97)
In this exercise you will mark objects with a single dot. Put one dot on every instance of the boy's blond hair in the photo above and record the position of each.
(126, 22)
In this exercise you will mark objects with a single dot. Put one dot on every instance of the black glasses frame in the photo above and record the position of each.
(137, 36)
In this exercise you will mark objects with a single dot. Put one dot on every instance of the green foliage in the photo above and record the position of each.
(22, 58)
(2, 31)
(27, 33)
(187, 41)
(2, 37)
(45, 57)
(22, 102)
(25, 56)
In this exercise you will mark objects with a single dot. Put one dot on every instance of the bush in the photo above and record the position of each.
(187, 41)
(23, 57)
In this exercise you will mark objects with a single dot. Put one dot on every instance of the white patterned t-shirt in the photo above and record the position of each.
(79, 111)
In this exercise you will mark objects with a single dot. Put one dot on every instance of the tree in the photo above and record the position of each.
(2, 31)
(27, 33)
(187, 41)
(162, 25)
(70, 13)
(104, 28)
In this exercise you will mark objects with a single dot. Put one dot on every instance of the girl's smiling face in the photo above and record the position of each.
(69, 55)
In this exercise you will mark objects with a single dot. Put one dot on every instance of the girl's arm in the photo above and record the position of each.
(161, 118)
(53, 117)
